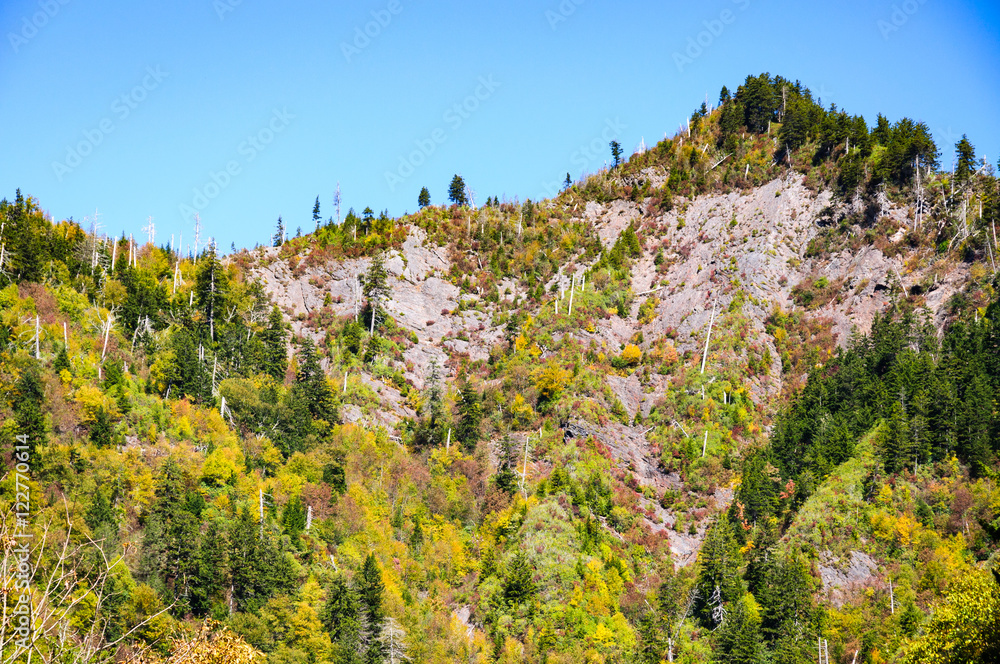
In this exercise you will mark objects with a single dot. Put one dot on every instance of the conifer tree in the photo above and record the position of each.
(102, 430)
(456, 191)
(279, 234)
(371, 593)
(376, 287)
(424, 199)
(470, 411)
(311, 386)
(316, 215)
(341, 616)
(208, 584)
(616, 153)
(293, 518)
(965, 159)
(275, 360)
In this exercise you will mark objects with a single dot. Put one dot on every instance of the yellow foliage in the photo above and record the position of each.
(906, 528)
(631, 355)
(885, 495)
(521, 342)
(221, 464)
(92, 399)
(965, 628)
(211, 646)
(550, 380)
(522, 411)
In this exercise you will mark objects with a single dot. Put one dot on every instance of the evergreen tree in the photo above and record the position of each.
(311, 386)
(456, 191)
(719, 582)
(759, 103)
(100, 511)
(275, 356)
(293, 518)
(371, 593)
(102, 430)
(341, 616)
(28, 410)
(568, 182)
(470, 411)
(279, 234)
(739, 640)
(210, 288)
(616, 153)
(965, 159)
(519, 583)
(424, 199)
(61, 363)
(316, 214)
(376, 287)
(208, 584)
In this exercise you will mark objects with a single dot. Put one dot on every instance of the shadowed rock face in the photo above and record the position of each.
(756, 239)
(841, 579)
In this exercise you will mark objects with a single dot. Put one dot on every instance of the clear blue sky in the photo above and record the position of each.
(131, 107)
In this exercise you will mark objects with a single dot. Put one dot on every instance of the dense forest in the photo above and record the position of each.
(178, 455)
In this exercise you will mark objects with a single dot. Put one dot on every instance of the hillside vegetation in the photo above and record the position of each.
(733, 399)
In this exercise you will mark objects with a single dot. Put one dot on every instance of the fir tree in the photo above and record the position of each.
(965, 159)
(470, 411)
(456, 191)
(293, 518)
(371, 593)
(275, 359)
(102, 430)
(312, 387)
(279, 234)
(424, 199)
(316, 214)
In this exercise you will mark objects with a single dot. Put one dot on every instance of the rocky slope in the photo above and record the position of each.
(696, 259)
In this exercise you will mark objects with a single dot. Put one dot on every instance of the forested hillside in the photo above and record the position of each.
(732, 399)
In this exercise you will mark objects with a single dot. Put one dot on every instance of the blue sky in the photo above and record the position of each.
(244, 110)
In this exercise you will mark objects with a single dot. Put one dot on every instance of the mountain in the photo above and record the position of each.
(731, 399)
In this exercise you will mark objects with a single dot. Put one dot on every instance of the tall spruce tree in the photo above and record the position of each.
(456, 191)
(424, 199)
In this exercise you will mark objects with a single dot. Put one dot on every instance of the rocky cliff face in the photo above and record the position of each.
(697, 258)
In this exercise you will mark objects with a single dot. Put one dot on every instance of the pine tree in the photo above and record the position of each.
(568, 183)
(456, 191)
(424, 199)
(316, 214)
